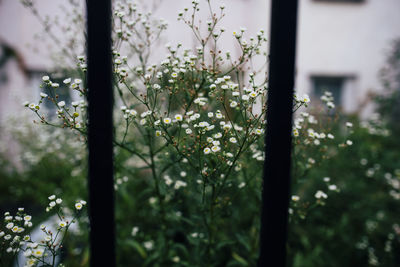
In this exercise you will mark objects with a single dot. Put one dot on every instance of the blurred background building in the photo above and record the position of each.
(341, 45)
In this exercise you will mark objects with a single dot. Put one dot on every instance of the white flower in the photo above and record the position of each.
(61, 104)
(55, 85)
(15, 229)
(320, 194)
(305, 98)
(253, 94)
(133, 112)
(349, 142)
(148, 245)
(330, 136)
(215, 148)
(233, 104)
(158, 133)
(167, 120)
(259, 131)
(245, 97)
(178, 117)
(38, 252)
(204, 124)
(332, 187)
(67, 81)
(233, 140)
(168, 180)
(43, 95)
(209, 128)
(326, 179)
(349, 124)
(58, 200)
(210, 114)
(62, 224)
(241, 185)
(52, 204)
(2, 234)
(179, 184)
(207, 150)
(45, 78)
(295, 198)
(47, 238)
(135, 230)
(10, 225)
(7, 237)
(183, 174)
(78, 206)
(188, 131)
(217, 135)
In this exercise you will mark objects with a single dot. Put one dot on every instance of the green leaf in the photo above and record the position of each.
(139, 248)
(239, 259)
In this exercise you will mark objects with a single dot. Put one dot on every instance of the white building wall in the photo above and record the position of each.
(346, 39)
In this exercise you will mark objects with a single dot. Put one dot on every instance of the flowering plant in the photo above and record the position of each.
(189, 140)
(41, 252)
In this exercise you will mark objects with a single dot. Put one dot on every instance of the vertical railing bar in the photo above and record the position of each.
(101, 184)
(276, 186)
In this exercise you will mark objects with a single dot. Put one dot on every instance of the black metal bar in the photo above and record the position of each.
(101, 184)
(276, 187)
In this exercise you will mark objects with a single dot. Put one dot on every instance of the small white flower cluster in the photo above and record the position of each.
(375, 125)
(68, 117)
(178, 183)
(327, 98)
(14, 233)
(79, 204)
(53, 202)
(394, 182)
(300, 101)
(320, 195)
(120, 181)
(15, 238)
